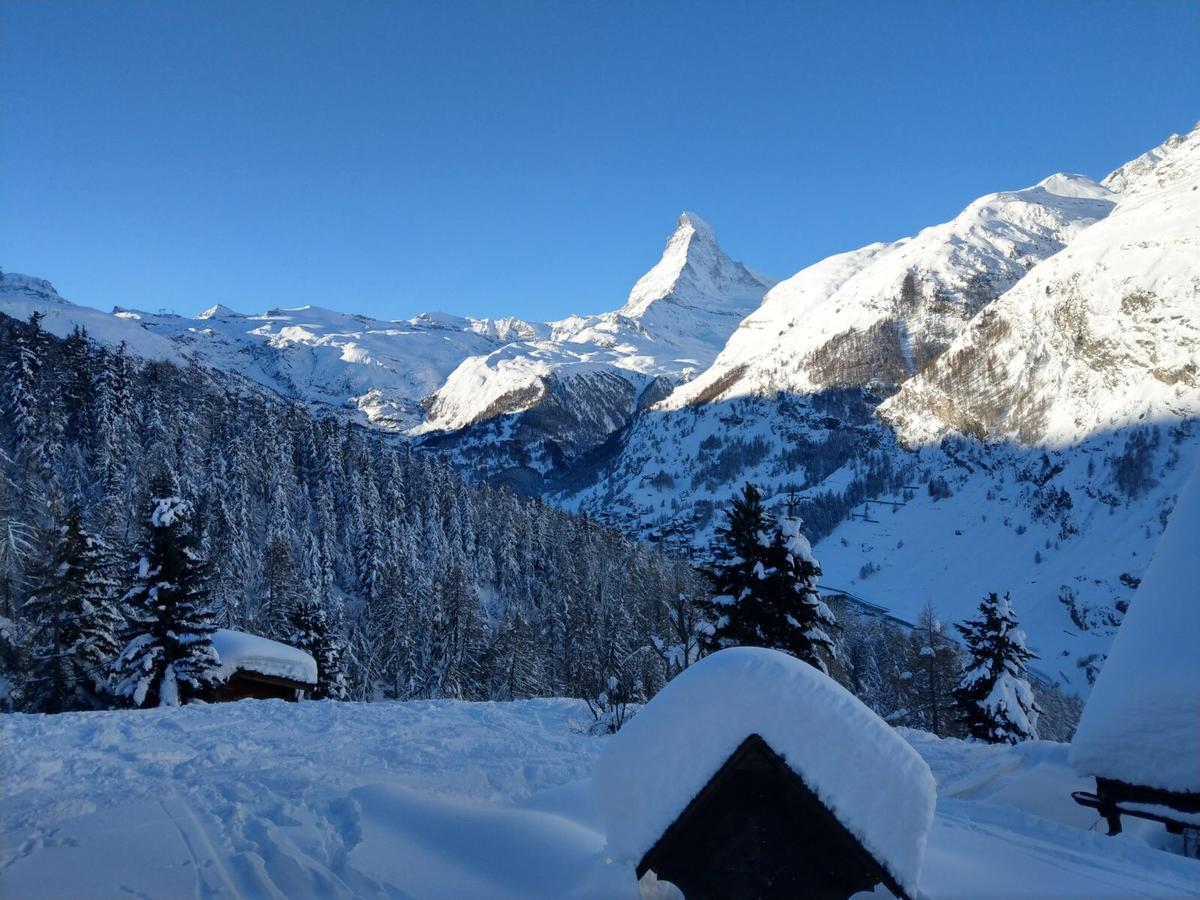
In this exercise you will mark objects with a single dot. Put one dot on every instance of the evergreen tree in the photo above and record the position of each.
(451, 589)
(740, 564)
(169, 657)
(16, 541)
(73, 621)
(317, 630)
(994, 698)
(765, 580)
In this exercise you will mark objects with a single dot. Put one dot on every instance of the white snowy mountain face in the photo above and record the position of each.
(538, 405)
(877, 315)
(1036, 359)
(1002, 402)
(1104, 336)
(378, 371)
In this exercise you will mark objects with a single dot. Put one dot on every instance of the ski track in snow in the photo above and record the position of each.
(263, 799)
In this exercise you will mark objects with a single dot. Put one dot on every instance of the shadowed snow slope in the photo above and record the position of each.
(265, 799)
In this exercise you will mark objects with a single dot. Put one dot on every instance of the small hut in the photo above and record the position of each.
(1139, 735)
(262, 669)
(786, 842)
(754, 775)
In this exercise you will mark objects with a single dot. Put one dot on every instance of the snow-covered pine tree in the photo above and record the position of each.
(169, 657)
(994, 698)
(517, 670)
(677, 643)
(318, 630)
(461, 578)
(807, 619)
(73, 621)
(740, 554)
(765, 580)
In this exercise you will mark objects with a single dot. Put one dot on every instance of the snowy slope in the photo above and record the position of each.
(265, 799)
(381, 369)
(882, 312)
(584, 377)
(678, 315)
(790, 405)
(1104, 335)
(21, 295)
(378, 371)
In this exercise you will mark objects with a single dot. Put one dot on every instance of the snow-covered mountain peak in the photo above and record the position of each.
(1063, 184)
(1103, 336)
(880, 313)
(219, 311)
(1129, 177)
(688, 219)
(28, 286)
(695, 271)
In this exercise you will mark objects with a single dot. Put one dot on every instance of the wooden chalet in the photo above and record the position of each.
(258, 668)
(245, 684)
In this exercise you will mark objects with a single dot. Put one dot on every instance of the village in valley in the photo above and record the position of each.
(878, 580)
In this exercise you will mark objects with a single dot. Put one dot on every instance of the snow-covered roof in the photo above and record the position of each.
(1142, 722)
(251, 653)
(863, 771)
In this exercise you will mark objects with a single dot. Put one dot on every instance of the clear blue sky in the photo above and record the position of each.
(530, 158)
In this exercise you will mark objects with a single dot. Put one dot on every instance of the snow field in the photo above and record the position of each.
(448, 799)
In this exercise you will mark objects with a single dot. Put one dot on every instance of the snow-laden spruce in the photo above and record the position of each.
(765, 578)
(170, 657)
(862, 770)
(1141, 724)
(73, 621)
(994, 695)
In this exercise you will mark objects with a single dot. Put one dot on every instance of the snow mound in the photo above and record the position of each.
(251, 653)
(1142, 722)
(862, 770)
